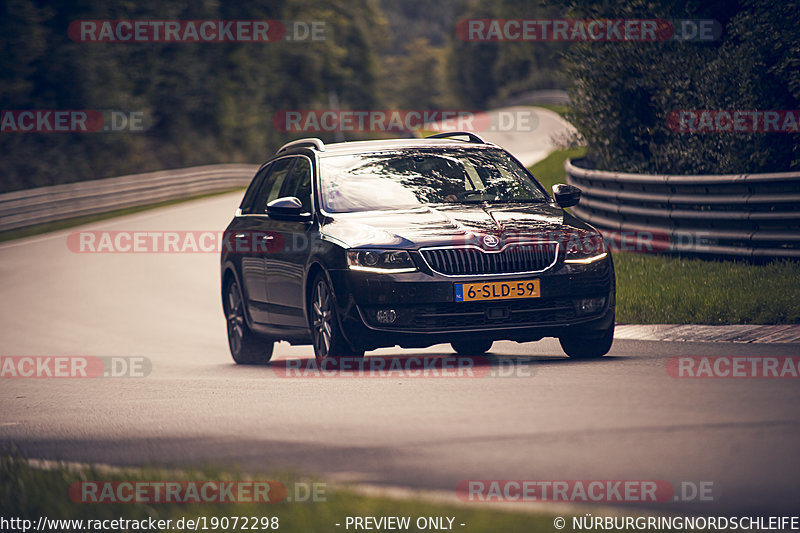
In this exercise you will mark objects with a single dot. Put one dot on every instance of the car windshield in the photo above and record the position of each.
(411, 178)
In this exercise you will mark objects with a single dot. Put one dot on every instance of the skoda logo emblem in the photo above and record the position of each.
(491, 241)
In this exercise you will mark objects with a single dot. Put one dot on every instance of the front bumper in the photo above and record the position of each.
(426, 312)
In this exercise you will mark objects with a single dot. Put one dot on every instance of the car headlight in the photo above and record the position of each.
(585, 249)
(382, 261)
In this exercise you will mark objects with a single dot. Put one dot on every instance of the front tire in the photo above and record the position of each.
(587, 345)
(329, 342)
(246, 347)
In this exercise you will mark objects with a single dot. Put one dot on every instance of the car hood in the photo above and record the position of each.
(445, 225)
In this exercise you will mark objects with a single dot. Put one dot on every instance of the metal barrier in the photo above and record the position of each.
(21, 209)
(747, 215)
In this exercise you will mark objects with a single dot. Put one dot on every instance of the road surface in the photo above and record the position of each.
(529, 133)
(619, 418)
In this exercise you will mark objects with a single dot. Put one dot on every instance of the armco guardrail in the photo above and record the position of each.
(748, 215)
(21, 209)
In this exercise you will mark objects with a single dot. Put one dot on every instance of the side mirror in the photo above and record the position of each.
(287, 208)
(566, 195)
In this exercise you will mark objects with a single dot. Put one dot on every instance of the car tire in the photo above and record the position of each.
(246, 347)
(587, 345)
(327, 337)
(471, 347)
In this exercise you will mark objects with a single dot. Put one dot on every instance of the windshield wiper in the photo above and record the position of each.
(518, 201)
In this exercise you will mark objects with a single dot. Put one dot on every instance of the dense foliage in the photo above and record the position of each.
(210, 103)
(203, 102)
(623, 93)
(485, 73)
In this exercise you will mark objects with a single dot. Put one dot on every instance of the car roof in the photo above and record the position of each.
(356, 147)
(359, 147)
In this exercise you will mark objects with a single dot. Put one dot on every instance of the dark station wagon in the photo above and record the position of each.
(360, 245)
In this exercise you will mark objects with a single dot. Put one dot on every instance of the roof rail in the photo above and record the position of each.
(473, 137)
(311, 142)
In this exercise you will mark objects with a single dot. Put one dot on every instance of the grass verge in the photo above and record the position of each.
(30, 493)
(561, 109)
(550, 170)
(88, 219)
(661, 289)
(656, 289)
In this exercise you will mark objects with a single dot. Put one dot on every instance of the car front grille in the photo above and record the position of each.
(475, 315)
(479, 315)
(472, 261)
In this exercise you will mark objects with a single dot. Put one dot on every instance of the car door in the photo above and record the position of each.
(287, 264)
(253, 238)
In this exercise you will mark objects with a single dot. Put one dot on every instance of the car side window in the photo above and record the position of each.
(249, 196)
(298, 183)
(272, 185)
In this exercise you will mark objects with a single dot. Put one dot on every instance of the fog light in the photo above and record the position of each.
(386, 316)
(587, 306)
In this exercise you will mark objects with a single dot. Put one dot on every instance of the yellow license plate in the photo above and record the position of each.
(497, 290)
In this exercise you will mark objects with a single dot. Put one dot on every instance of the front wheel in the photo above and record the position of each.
(245, 346)
(587, 345)
(327, 336)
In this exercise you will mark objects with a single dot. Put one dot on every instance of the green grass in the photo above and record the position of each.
(550, 170)
(561, 109)
(79, 221)
(656, 289)
(29, 493)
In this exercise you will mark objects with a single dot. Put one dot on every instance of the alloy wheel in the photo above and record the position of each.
(322, 316)
(234, 315)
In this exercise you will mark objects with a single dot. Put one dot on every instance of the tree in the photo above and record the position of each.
(204, 102)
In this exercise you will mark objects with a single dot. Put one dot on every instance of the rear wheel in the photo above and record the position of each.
(246, 347)
(471, 347)
(328, 339)
(587, 344)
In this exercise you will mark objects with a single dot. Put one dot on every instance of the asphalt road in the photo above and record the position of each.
(530, 133)
(619, 418)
